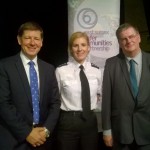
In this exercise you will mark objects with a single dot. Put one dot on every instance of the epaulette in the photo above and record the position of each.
(65, 64)
(93, 65)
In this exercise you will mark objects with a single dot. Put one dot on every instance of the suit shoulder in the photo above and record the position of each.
(95, 66)
(44, 62)
(112, 59)
(10, 59)
(146, 53)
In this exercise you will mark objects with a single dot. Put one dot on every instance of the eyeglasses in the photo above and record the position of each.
(131, 37)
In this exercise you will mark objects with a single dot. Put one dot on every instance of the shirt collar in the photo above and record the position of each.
(137, 58)
(25, 59)
(76, 64)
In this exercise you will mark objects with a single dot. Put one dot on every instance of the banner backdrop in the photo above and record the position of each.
(99, 19)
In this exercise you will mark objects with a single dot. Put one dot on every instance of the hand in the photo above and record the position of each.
(43, 133)
(108, 140)
(37, 136)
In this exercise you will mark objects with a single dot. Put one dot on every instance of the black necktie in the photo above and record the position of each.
(85, 93)
(34, 92)
(133, 77)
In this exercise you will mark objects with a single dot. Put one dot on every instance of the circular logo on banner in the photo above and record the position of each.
(87, 18)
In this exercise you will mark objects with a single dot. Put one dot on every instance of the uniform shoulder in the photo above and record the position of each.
(95, 66)
(62, 65)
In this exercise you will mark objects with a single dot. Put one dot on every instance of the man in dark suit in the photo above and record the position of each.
(126, 107)
(18, 130)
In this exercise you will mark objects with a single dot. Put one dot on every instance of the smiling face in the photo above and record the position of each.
(79, 46)
(129, 40)
(30, 38)
(30, 42)
(80, 49)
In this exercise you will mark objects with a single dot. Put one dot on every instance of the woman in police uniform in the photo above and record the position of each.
(74, 132)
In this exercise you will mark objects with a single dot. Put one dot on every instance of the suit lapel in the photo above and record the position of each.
(41, 79)
(24, 78)
(125, 71)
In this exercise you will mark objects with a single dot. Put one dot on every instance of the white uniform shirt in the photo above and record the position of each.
(70, 85)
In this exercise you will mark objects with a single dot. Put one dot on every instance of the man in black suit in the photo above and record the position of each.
(126, 109)
(18, 131)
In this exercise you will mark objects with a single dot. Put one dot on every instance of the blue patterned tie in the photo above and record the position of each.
(133, 77)
(34, 92)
